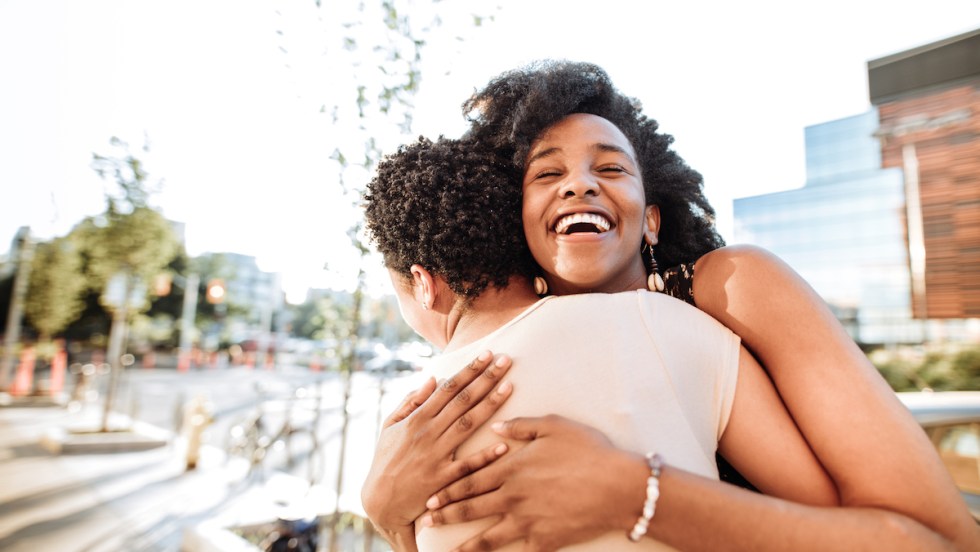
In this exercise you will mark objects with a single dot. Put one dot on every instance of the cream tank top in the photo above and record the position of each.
(651, 372)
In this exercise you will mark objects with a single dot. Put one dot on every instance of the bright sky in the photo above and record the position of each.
(231, 107)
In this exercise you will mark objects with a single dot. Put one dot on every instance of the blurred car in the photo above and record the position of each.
(951, 419)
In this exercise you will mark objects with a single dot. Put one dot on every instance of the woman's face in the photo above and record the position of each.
(584, 209)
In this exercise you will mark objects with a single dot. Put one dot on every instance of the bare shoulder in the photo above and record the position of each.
(744, 258)
(745, 273)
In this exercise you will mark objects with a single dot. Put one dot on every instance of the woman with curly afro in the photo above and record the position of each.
(446, 218)
(548, 120)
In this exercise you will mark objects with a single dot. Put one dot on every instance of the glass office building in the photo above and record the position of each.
(844, 231)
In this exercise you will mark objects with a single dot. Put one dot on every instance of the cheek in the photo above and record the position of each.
(530, 210)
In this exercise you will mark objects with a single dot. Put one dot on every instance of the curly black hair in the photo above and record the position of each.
(512, 111)
(452, 207)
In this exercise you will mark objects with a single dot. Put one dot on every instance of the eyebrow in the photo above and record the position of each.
(599, 146)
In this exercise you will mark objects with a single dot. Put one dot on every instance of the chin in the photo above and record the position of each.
(577, 283)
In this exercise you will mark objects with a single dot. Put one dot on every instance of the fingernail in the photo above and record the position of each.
(432, 503)
(497, 426)
(427, 521)
(504, 387)
(484, 356)
(501, 448)
(502, 360)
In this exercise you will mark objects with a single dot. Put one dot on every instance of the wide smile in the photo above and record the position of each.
(579, 223)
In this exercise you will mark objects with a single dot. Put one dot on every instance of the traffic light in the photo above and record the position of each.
(216, 291)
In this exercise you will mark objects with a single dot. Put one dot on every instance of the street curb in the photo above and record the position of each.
(130, 436)
(32, 401)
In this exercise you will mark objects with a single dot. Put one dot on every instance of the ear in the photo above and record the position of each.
(653, 224)
(423, 285)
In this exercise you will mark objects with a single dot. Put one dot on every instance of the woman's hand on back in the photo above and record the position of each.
(415, 455)
(568, 484)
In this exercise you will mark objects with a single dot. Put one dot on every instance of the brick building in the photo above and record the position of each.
(928, 102)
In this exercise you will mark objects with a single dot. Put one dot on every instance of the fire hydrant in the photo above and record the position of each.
(197, 416)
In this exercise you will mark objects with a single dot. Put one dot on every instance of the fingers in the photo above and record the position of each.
(466, 482)
(473, 404)
(495, 537)
(449, 388)
(466, 467)
(411, 402)
(523, 429)
(465, 510)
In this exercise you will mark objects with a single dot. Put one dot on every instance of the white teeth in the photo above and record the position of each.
(599, 221)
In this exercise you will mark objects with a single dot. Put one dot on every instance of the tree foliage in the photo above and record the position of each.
(939, 368)
(320, 318)
(131, 238)
(55, 293)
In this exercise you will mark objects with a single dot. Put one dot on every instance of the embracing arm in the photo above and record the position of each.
(538, 492)
(537, 489)
(875, 452)
(415, 454)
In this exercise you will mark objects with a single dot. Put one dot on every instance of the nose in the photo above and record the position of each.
(579, 184)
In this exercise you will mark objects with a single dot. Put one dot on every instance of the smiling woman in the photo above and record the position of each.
(584, 199)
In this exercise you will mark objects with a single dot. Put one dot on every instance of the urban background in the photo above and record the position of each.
(156, 400)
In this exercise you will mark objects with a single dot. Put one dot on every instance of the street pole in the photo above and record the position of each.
(188, 313)
(117, 339)
(16, 311)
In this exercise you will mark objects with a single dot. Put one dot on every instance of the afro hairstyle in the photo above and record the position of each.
(516, 107)
(453, 208)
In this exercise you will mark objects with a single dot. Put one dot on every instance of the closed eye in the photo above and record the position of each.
(613, 169)
(547, 173)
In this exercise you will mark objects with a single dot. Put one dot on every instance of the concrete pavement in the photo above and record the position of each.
(138, 500)
(141, 500)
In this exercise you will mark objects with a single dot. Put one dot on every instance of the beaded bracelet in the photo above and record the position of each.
(655, 462)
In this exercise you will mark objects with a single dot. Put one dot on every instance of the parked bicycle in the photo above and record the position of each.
(272, 427)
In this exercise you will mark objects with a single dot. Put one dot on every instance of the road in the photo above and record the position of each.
(145, 500)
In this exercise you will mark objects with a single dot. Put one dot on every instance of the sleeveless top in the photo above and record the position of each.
(679, 283)
(648, 371)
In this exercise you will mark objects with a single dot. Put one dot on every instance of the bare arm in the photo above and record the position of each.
(894, 491)
(538, 491)
(764, 444)
(415, 455)
(865, 438)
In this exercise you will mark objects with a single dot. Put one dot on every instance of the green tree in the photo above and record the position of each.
(126, 247)
(320, 318)
(55, 291)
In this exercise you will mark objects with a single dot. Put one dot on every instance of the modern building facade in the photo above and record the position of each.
(928, 101)
(843, 231)
(887, 225)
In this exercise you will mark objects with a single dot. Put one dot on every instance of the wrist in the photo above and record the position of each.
(627, 505)
(655, 463)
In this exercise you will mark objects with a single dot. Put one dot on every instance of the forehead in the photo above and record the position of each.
(582, 128)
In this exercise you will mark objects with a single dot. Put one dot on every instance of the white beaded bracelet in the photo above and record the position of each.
(655, 462)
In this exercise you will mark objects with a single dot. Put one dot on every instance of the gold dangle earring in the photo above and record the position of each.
(655, 281)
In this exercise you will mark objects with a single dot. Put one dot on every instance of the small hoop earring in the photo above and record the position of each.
(540, 286)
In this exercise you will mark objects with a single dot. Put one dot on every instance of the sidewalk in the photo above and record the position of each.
(97, 501)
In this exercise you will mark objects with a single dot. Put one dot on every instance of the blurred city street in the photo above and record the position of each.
(148, 500)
